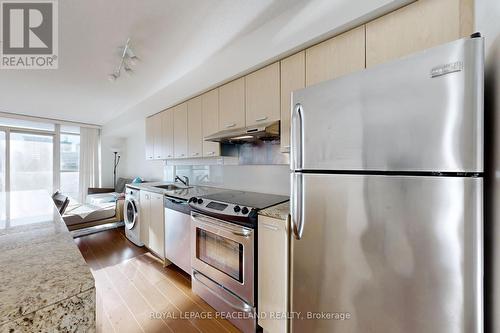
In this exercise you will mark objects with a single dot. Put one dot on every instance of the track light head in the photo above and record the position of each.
(113, 77)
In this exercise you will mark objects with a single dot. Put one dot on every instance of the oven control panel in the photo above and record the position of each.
(221, 208)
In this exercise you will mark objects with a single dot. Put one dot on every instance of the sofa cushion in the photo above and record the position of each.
(77, 214)
(99, 198)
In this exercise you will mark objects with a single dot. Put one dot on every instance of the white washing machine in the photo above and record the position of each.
(131, 216)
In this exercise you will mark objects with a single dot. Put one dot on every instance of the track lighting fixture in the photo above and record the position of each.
(127, 60)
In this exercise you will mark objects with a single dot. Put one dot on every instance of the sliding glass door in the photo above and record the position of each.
(3, 160)
(70, 164)
(31, 161)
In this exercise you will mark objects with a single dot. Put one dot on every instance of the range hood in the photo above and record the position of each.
(264, 131)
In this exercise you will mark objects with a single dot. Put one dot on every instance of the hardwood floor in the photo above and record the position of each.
(135, 293)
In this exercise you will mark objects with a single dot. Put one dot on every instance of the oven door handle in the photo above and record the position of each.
(237, 231)
(244, 308)
(241, 234)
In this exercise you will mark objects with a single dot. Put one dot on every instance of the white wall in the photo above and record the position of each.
(108, 145)
(136, 164)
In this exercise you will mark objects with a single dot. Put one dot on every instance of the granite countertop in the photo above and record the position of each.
(40, 264)
(280, 211)
(184, 193)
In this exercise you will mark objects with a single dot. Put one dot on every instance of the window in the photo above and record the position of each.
(31, 161)
(70, 164)
(3, 159)
(39, 155)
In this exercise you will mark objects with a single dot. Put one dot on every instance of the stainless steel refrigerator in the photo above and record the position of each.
(387, 197)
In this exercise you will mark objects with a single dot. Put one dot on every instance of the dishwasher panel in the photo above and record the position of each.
(177, 233)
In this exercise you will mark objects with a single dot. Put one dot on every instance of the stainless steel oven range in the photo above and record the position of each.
(223, 252)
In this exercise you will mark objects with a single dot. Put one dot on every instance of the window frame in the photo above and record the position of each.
(58, 129)
(56, 149)
(36, 132)
(6, 159)
(10, 130)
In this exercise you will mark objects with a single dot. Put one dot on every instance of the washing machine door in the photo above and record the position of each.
(131, 212)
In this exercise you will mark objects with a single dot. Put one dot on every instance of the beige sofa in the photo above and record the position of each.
(104, 205)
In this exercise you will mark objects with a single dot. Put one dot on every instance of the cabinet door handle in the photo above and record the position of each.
(269, 226)
(169, 155)
(194, 154)
(158, 156)
(230, 125)
(210, 153)
(261, 119)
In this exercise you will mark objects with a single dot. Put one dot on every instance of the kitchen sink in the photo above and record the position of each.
(172, 187)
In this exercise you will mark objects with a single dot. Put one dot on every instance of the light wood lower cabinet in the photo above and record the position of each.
(293, 77)
(418, 26)
(144, 216)
(152, 222)
(156, 225)
(272, 291)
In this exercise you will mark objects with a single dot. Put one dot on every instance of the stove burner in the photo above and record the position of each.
(235, 206)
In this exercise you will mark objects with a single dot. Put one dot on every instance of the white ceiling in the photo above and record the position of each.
(184, 46)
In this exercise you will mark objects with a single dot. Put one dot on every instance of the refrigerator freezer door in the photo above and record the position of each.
(421, 113)
(394, 253)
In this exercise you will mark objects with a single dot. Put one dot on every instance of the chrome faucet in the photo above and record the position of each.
(185, 181)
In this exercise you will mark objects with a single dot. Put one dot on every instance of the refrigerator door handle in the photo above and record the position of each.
(297, 206)
(296, 137)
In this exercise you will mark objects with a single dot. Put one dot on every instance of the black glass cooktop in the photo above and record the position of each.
(248, 199)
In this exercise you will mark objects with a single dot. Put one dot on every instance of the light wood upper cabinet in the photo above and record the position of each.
(156, 238)
(262, 95)
(180, 130)
(167, 124)
(272, 273)
(210, 121)
(157, 137)
(232, 105)
(340, 55)
(293, 77)
(149, 138)
(418, 26)
(154, 138)
(194, 127)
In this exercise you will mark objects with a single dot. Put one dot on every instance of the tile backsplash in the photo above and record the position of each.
(274, 179)
(256, 167)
